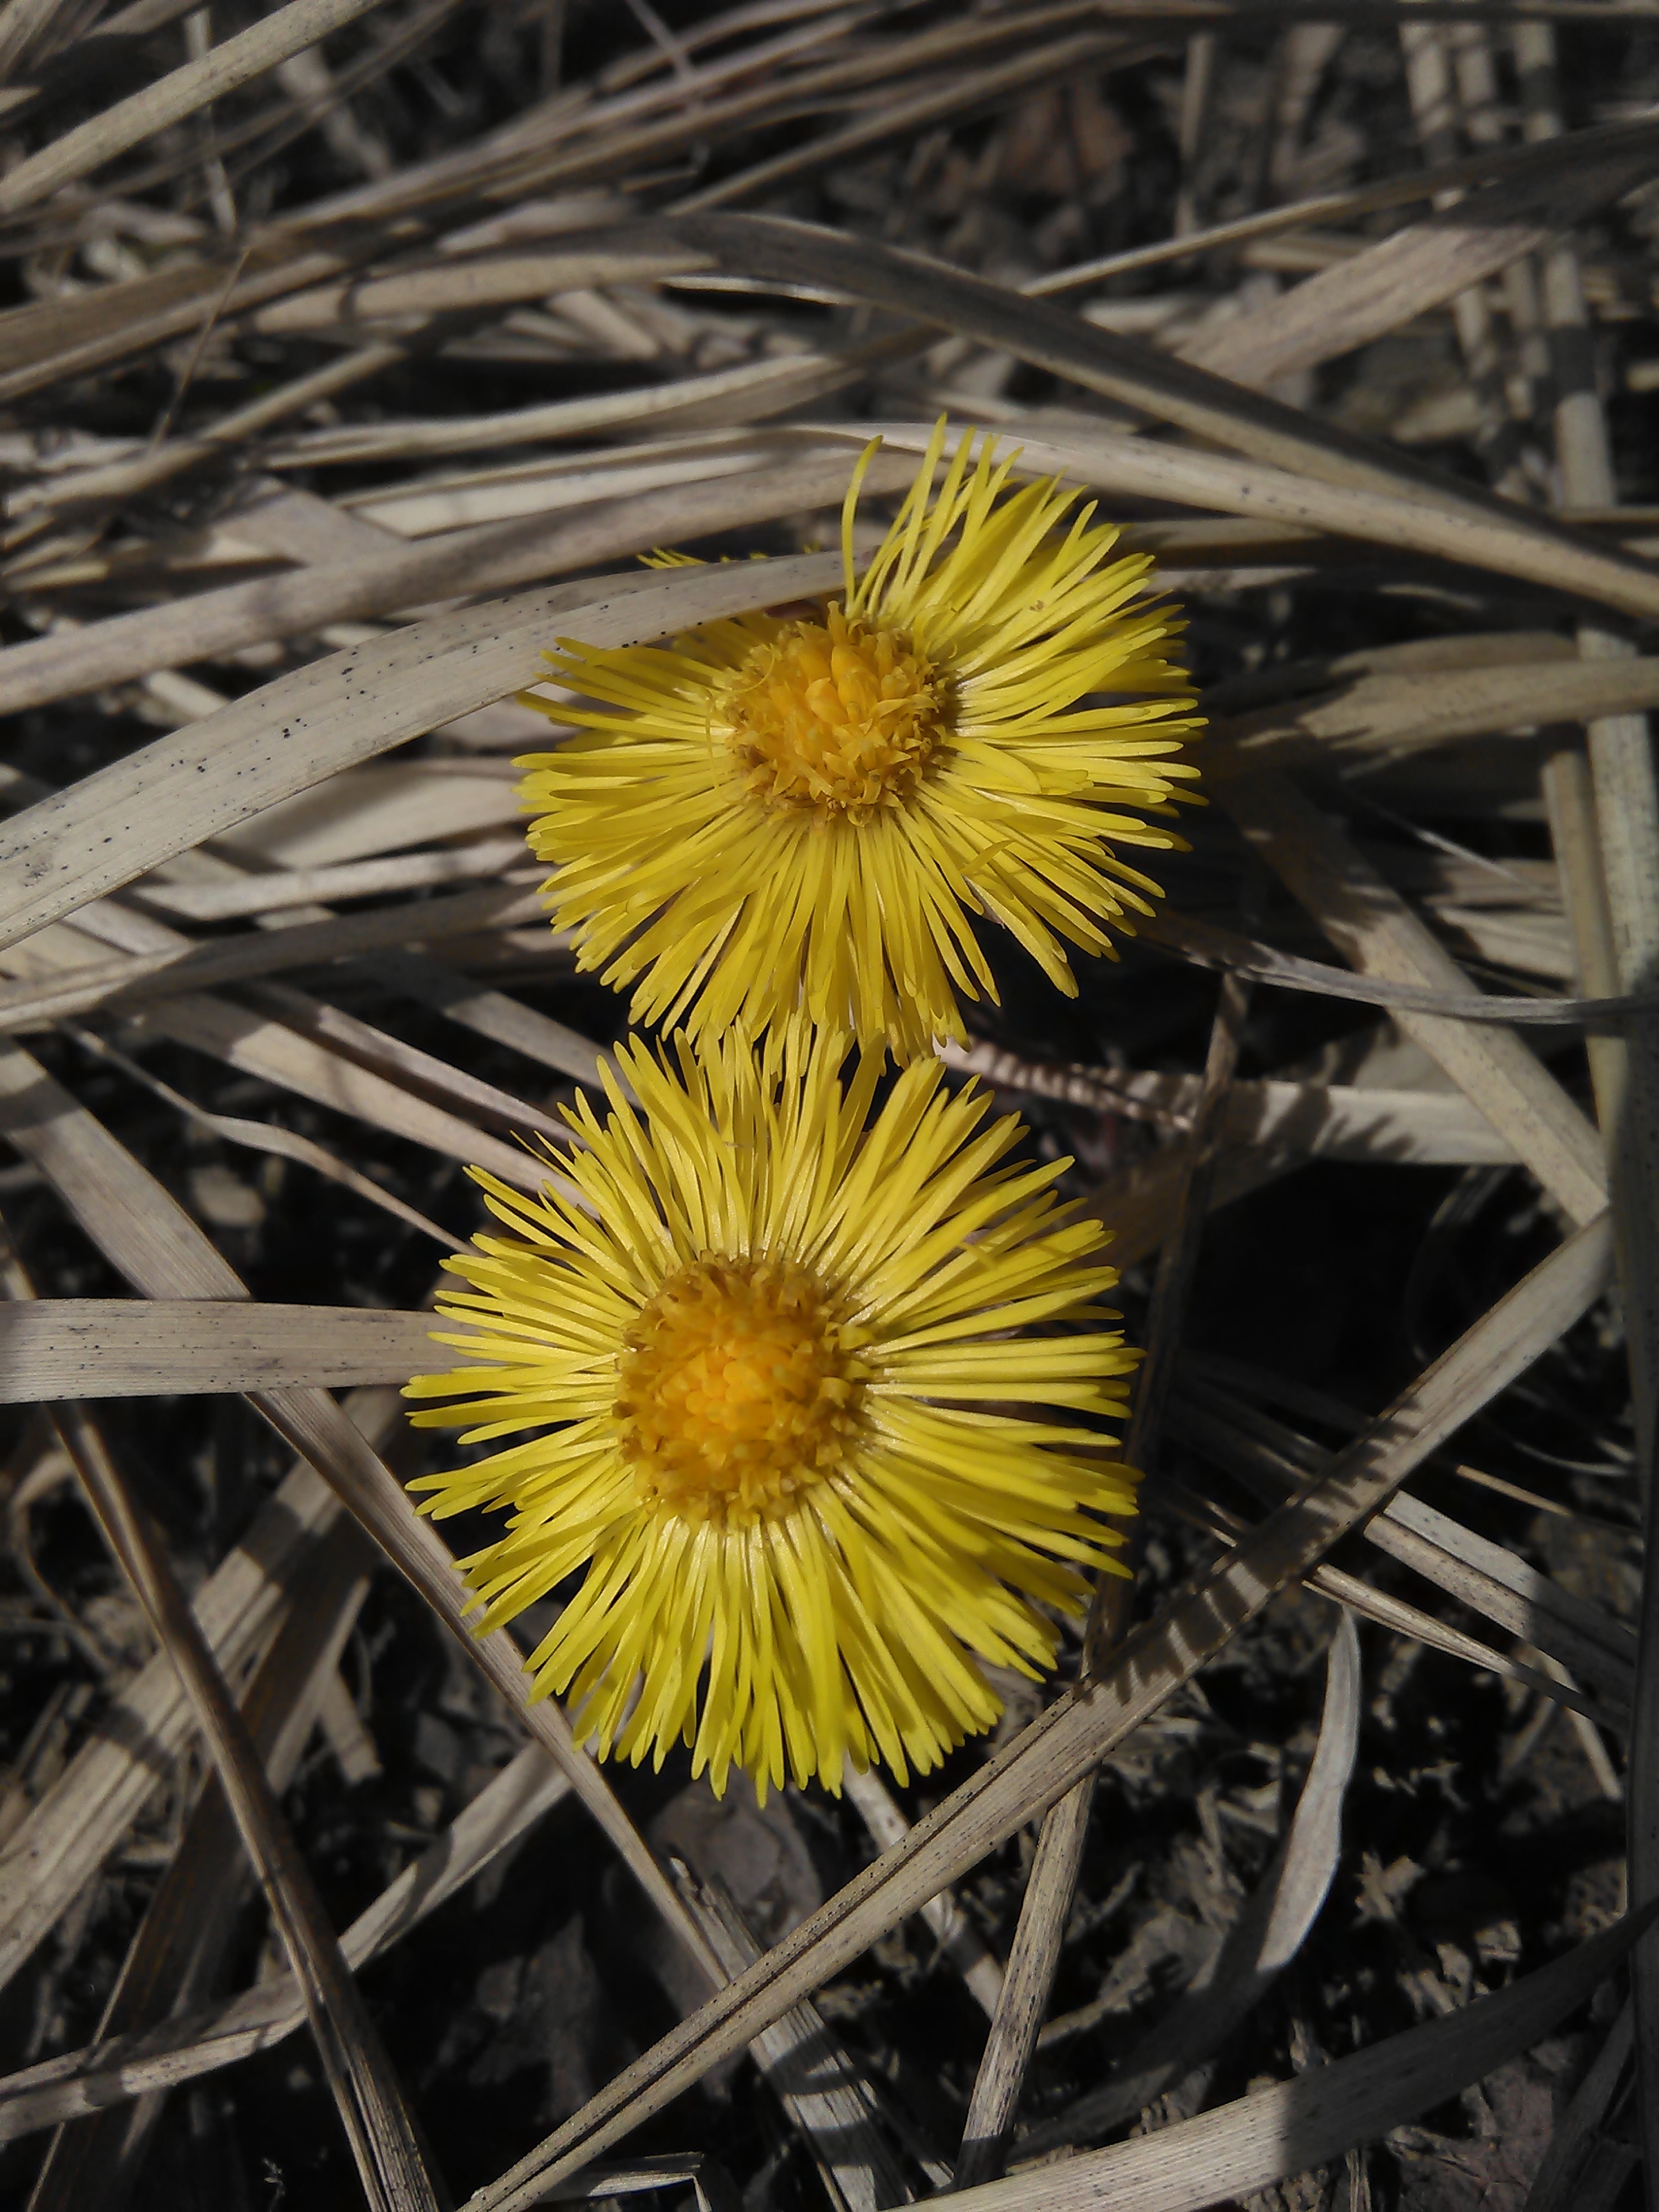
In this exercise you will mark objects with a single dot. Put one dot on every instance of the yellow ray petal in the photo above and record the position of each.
(762, 1427)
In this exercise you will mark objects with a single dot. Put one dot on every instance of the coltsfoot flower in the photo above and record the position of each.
(788, 820)
(788, 1396)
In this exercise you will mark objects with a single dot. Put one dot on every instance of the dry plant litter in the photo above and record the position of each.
(352, 355)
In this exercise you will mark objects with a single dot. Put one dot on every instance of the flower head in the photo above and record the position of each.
(788, 1396)
(784, 820)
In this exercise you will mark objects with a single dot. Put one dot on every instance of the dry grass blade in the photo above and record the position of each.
(308, 1419)
(272, 1046)
(156, 1244)
(180, 1945)
(1373, 927)
(745, 394)
(31, 28)
(326, 1055)
(312, 97)
(1172, 1285)
(964, 94)
(959, 1946)
(1264, 1939)
(367, 2093)
(1367, 1603)
(146, 1232)
(378, 809)
(300, 24)
(51, 339)
(1285, 2129)
(1209, 947)
(1482, 1576)
(161, 464)
(1054, 1869)
(328, 396)
(175, 962)
(1074, 1735)
(60, 1348)
(258, 1045)
(656, 139)
(492, 1014)
(1563, 2171)
(487, 558)
(347, 879)
(1382, 711)
(54, 338)
(465, 284)
(1381, 288)
(1399, 512)
(1491, 165)
(711, 2185)
(1576, 841)
(83, 1819)
(270, 1139)
(1626, 794)
(1209, 406)
(406, 1064)
(1139, 1203)
(1050, 1887)
(1602, 1646)
(126, 819)
(811, 2071)
(179, 966)
(147, 2060)
(1330, 1120)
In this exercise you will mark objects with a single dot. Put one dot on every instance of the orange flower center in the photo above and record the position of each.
(737, 1391)
(833, 714)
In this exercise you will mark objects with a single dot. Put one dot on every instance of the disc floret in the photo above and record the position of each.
(738, 1391)
(838, 715)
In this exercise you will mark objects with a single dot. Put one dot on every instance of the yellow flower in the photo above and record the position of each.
(784, 820)
(790, 1403)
